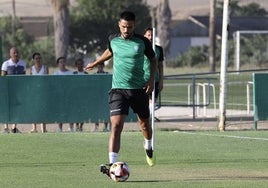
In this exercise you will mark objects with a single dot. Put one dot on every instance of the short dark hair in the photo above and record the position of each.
(148, 29)
(78, 60)
(35, 53)
(128, 16)
(58, 60)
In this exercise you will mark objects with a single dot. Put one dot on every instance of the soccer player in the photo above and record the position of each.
(129, 87)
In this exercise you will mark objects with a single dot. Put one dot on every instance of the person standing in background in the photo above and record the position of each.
(38, 69)
(159, 61)
(13, 66)
(62, 70)
(101, 71)
(79, 64)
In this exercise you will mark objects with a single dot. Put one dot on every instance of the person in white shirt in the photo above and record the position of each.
(79, 64)
(62, 70)
(101, 71)
(13, 66)
(38, 68)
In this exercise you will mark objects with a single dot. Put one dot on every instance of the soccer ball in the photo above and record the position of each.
(119, 172)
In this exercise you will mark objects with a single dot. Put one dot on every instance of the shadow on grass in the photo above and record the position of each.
(23, 164)
(228, 178)
(147, 181)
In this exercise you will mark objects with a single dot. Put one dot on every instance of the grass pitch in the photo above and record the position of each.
(184, 159)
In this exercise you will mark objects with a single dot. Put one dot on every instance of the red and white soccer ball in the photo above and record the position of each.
(119, 172)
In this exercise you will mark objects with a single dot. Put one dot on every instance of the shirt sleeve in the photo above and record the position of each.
(161, 53)
(149, 51)
(4, 66)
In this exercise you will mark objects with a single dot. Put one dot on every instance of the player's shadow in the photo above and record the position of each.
(146, 181)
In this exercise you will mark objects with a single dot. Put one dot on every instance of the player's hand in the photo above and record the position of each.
(89, 66)
(149, 87)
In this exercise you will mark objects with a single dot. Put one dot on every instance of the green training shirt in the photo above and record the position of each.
(128, 60)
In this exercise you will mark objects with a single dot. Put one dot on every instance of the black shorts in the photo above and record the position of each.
(121, 99)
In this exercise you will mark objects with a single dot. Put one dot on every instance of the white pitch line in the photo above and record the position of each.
(228, 136)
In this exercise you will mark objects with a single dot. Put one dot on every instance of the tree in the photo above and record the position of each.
(234, 8)
(61, 19)
(212, 36)
(92, 21)
(251, 9)
(254, 50)
(20, 39)
(163, 22)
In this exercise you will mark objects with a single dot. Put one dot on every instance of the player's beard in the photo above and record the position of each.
(126, 35)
